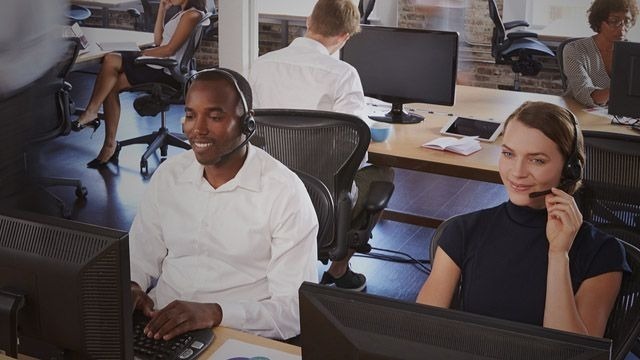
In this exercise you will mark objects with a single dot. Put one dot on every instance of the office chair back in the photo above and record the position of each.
(322, 203)
(499, 31)
(610, 194)
(326, 145)
(623, 326)
(53, 86)
(560, 59)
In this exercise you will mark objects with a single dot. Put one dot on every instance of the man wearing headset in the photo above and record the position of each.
(226, 232)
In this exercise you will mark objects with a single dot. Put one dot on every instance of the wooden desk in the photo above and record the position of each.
(223, 334)
(403, 148)
(106, 6)
(93, 53)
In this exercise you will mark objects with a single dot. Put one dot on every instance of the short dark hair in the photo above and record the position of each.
(556, 123)
(214, 74)
(600, 10)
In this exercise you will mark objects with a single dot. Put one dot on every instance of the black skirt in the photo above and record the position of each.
(140, 73)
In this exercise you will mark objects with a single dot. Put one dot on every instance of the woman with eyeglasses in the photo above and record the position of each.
(587, 62)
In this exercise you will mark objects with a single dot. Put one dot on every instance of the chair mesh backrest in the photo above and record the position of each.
(323, 205)
(623, 326)
(611, 182)
(186, 63)
(329, 146)
(498, 27)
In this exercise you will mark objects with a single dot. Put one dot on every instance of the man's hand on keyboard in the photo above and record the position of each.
(181, 316)
(141, 301)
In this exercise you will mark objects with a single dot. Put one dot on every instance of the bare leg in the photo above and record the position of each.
(111, 107)
(105, 84)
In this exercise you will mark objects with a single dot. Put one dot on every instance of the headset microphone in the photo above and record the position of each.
(224, 157)
(247, 122)
(572, 170)
(562, 185)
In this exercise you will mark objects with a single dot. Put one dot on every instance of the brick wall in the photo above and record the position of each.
(476, 67)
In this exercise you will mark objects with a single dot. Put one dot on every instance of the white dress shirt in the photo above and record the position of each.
(247, 245)
(305, 76)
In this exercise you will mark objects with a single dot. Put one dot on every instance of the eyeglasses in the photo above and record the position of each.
(618, 23)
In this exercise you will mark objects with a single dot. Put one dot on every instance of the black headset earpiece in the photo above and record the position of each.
(572, 171)
(247, 122)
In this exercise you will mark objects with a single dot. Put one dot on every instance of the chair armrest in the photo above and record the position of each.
(343, 224)
(512, 24)
(378, 197)
(521, 34)
(160, 61)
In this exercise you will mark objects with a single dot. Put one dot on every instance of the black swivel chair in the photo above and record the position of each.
(516, 48)
(560, 58)
(623, 326)
(330, 147)
(53, 119)
(158, 97)
(610, 195)
(365, 11)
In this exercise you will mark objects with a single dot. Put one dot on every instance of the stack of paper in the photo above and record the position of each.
(464, 145)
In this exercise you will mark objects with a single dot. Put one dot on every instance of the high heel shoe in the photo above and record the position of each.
(115, 158)
(94, 124)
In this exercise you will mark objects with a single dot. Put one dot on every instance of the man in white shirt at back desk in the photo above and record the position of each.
(305, 75)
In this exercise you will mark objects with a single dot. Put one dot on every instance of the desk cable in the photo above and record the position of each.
(404, 258)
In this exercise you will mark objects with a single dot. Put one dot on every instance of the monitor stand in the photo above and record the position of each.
(397, 115)
(10, 305)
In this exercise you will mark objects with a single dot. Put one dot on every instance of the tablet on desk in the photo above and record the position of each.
(485, 130)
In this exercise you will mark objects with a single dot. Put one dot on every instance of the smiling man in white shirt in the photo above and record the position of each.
(225, 231)
(307, 75)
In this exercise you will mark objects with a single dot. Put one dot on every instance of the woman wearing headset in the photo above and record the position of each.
(119, 72)
(532, 259)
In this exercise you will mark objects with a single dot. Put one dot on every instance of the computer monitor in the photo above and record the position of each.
(64, 289)
(340, 324)
(403, 66)
(624, 97)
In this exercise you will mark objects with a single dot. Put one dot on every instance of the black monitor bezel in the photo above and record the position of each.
(620, 102)
(313, 315)
(112, 244)
(405, 100)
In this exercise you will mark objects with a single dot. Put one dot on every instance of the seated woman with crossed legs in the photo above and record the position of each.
(532, 259)
(119, 72)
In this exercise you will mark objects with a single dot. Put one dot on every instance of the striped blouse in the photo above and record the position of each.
(584, 69)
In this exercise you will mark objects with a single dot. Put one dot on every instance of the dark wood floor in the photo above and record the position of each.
(114, 192)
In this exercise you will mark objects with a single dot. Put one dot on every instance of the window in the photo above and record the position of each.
(546, 16)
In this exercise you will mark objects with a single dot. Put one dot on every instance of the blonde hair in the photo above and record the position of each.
(334, 18)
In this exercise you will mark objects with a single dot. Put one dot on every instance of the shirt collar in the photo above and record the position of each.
(309, 43)
(248, 177)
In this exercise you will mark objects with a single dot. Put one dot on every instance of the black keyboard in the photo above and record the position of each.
(184, 347)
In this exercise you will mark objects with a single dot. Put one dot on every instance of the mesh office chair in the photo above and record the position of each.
(55, 112)
(560, 58)
(322, 201)
(330, 147)
(515, 48)
(158, 97)
(610, 194)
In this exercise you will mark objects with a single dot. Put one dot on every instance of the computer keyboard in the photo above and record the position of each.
(184, 347)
